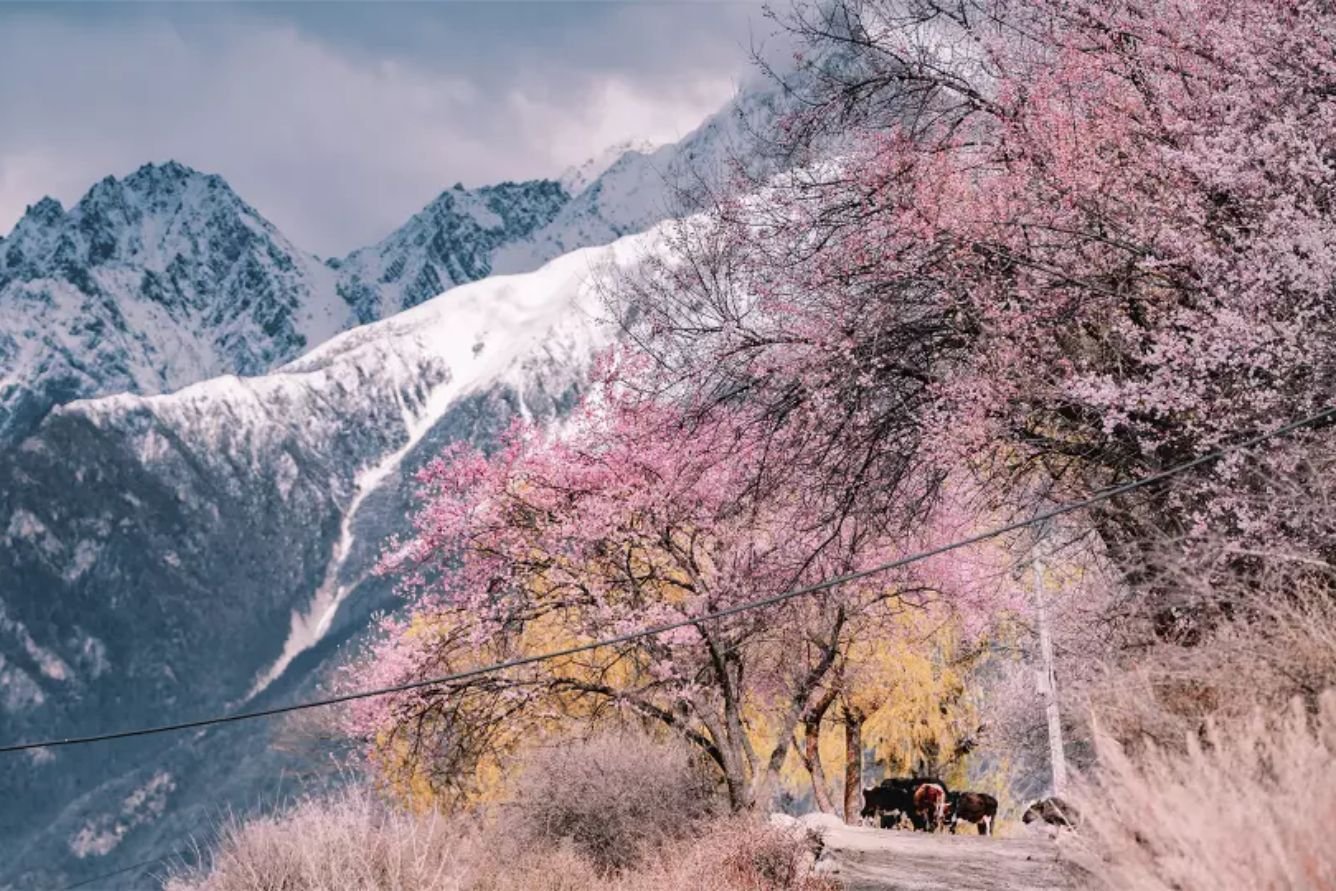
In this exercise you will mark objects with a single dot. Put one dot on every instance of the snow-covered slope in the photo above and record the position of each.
(174, 555)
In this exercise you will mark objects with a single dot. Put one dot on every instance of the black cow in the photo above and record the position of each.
(972, 807)
(888, 804)
(1054, 811)
(892, 801)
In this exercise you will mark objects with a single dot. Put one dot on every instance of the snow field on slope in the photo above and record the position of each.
(419, 364)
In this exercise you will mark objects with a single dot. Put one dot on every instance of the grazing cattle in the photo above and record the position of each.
(1054, 811)
(920, 822)
(972, 807)
(893, 800)
(887, 804)
(929, 807)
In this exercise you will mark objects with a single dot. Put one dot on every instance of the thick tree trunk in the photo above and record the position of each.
(853, 764)
(811, 748)
(812, 761)
(766, 782)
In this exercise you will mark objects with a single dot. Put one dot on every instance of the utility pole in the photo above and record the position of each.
(1047, 683)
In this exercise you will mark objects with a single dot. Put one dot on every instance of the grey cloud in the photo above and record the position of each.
(338, 121)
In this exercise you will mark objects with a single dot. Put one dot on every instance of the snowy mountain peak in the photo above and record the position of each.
(152, 216)
(521, 207)
(451, 241)
(44, 213)
(577, 178)
(156, 186)
(168, 171)
(149, 283)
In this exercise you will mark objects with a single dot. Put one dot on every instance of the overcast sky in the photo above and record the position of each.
(339, 121)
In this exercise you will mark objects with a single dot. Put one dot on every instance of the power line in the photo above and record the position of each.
(132, 868)
(1101, 496)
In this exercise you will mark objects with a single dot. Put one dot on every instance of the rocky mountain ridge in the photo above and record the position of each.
(211, 548)
(167, 276)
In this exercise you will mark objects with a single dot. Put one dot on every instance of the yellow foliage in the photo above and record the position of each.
(550, 690)
(904, 671)
(907, 677)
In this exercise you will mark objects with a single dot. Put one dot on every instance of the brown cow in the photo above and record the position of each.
(972, 807)
(930, 806)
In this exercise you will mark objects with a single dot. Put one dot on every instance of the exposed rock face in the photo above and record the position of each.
(450, 242)
(179, 555)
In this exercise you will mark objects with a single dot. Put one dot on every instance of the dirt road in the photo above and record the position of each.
(867, 859)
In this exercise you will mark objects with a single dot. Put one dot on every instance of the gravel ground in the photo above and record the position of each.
(867, 859)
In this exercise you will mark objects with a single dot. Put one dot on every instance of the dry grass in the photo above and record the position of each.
(1248, 807)
(349, 841)
(621, 813)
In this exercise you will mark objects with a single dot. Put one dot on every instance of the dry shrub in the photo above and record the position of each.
(1278, 642)
(620, 812)
(1247, 807)
(615, 797)
(728, 854)
(737, 854)
(352, 842)
(349, 841)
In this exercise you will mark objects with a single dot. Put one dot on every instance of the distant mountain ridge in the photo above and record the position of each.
(450, 242)
(167, 277)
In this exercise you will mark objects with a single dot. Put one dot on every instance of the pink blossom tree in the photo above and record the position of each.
(628, 519)
(1064, 243)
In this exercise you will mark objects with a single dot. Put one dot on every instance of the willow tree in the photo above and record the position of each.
(627, 520)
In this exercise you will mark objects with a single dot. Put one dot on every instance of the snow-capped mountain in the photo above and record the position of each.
(451, 241)
(211, 547)
(150, 283)
(168, 277)
(197, 468)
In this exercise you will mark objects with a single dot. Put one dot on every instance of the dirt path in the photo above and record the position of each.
(867, 859)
